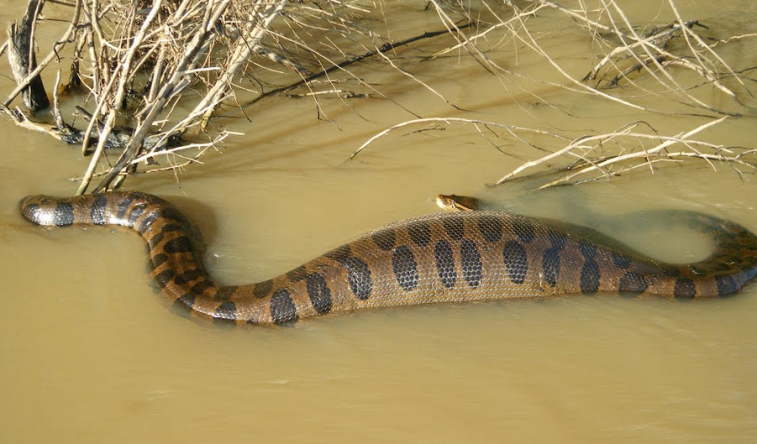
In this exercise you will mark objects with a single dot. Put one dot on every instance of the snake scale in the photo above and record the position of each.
(450, 257)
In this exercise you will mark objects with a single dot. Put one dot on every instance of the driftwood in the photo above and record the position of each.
(23, 58)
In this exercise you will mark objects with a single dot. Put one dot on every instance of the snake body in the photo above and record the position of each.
(452, 257)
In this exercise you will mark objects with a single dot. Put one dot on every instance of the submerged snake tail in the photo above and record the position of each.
(453, 257)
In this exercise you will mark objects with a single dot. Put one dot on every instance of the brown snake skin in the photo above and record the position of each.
(453, 257)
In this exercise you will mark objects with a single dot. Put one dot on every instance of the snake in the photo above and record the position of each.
(446, 257)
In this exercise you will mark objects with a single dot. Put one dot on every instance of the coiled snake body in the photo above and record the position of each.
(453, 257)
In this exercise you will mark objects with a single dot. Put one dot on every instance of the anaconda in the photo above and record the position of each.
(450, 257)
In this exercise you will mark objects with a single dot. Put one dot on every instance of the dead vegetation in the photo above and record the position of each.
(153, 75)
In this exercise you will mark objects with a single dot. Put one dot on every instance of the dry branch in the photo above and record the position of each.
(137, 62)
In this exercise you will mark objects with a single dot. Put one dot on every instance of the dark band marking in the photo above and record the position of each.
(224, 293)
(621, 260)
(164, 277)
(455, 227)
(171, 227)
(261, 289)
(685, 289)
(490, 228)
(471, 263)
(420, 233)
(97, 212)
(384, 239)
(172, 214)
(180, 244)
(148, 220)
(339, 254)
(63, 215)
(200, 287)
(188, 276)
(227, 310)
(671, 271)
(282, 307)
(726, 285)
(319, 293)
(297, 274)
(158, 259)
(632, 284)
(136, 213)
(359, 277)
(404, 267)
(516, 261)
(524, 229)
(154, 241)
(550, 264)
(123, 207)
(445, 263)
(590, 276)
(558, 239)
(588, 249)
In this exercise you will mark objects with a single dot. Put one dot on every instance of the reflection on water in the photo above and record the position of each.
(89, 354)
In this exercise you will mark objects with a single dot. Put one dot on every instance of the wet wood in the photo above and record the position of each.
(23, 59)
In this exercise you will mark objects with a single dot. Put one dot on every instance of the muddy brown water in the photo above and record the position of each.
(89, 354)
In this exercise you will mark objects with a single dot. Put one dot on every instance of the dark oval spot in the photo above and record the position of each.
(471, 263)
(455, 227)
(404, 267)
(180, 244)
(590, 276)
(490, 227)
(726, 285)
(319, 293)
(223, 293)
(524, 229)
(97, 211)
(188, 276)
(685, 289)
(63, 215)
(632, 284)
(164, 277)
(445, 263)
(621, 260)
(516, 261)
(420, 232)
(282, 307)
(200, 287)
(384, 239)
(297, 274)
(359, 277)
(550, 264)
(261, 289)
